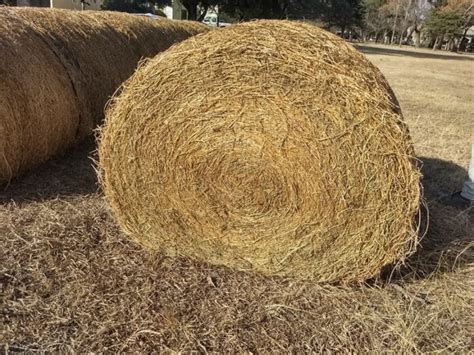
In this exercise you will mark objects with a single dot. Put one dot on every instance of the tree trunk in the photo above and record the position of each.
(192, 13)
(417, 38)
(427, 41)
(401, 37)
(376, 37)
(392, 38)
(405, 22)
(394, 28)
(204, 13)
(453, 45)
(462, 41)
(438, 42)
(191, 6)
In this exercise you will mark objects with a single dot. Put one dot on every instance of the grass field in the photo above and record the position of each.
(71, 282)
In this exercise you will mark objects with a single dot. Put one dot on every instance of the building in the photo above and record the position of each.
(176, 11)
(63, 4)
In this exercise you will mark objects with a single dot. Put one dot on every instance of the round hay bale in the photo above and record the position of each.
(93, 52)
(271, 146)
(101, 50)
(38, 110)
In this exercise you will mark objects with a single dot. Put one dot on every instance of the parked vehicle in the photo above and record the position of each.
(213, 21)
(148, 15)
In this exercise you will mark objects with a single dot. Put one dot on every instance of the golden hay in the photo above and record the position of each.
(90, 53)
(270, 146)
(38, 109)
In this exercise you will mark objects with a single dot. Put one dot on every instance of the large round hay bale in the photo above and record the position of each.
(271, 146)
(93, 51)
(38, 110)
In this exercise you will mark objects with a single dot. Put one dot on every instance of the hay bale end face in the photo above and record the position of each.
(270, 146)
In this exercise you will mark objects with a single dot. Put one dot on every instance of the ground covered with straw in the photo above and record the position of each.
(72, 282)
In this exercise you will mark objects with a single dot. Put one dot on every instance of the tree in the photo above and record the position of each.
(414, 13)
(450, 19)
(418, 15)
(465, 9)
(401, 19)
(272, 9)
(266, 9)
(192, 7)
(401, 14)
(443, 23)
(343, 13)
(134, 6)
(253, 9)
(376, 18)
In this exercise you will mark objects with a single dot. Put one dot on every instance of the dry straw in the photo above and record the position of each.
(270, 146)
(58, 70)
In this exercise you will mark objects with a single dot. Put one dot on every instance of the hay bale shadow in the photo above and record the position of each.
(404, 52)
(70, 174)
(446, 246)
(441, 178)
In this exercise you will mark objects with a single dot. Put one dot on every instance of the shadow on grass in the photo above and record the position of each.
(449, 229)
(397, 51)
(441, 178)
(443, 248)
(69, 174)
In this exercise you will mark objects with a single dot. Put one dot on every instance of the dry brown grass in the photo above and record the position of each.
(71, 281)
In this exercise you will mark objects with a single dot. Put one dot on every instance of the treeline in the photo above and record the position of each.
(423, 23)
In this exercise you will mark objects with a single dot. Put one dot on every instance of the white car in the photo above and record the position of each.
(211, 20)
(148, 15)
